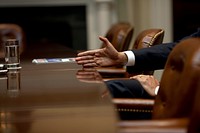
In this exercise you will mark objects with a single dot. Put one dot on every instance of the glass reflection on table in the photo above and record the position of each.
(13, 82)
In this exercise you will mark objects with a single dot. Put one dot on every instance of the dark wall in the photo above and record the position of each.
(57, 24)
(186, 17)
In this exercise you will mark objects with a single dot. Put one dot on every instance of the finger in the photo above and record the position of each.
(152, 78)
(89, 52)
(103, 39)
(81, 62)
(136, 77)
(141, 80)
(133, 77)
(98, 54)
(98, 61)
(84, 58)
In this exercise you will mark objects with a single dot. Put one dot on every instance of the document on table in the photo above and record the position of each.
(53, 60)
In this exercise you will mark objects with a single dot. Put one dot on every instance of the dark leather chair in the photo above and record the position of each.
(11, 31)
(120, 35)
(194, 124)
(146, 38)
(178, 96)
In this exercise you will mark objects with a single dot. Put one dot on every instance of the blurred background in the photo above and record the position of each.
(77, 24)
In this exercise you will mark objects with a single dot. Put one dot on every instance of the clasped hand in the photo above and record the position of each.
(148, 82)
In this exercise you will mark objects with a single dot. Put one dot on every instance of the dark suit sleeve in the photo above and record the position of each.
(155, 57)
(152, 58)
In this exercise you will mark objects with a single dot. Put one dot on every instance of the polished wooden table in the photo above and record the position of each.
(51, 99)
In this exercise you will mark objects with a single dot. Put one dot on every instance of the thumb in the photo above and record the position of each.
(104, 40)
(106, 43)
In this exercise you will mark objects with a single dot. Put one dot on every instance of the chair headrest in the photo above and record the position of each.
(148, 38)
(179, 80)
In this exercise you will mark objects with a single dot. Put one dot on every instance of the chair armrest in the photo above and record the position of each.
(158, 123)
(176, 125)
(133, 104)
(134, 109)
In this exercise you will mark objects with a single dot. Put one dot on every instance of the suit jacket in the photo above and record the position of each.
(155, 57)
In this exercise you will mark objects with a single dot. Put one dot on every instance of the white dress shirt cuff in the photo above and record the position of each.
(156, 90)
(131, 58)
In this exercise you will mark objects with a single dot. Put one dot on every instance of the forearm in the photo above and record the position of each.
(152, 58)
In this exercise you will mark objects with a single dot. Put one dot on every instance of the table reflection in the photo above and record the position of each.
(88, 75)
(12, 78)
(91, 75)
(55, 98)
(10, 125)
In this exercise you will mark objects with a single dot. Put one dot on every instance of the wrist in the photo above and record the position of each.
(122, 58)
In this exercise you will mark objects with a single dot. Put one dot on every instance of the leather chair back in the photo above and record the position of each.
(194, 123)
(120, 35)
(148, 38)
(180, 81)
(11, 31)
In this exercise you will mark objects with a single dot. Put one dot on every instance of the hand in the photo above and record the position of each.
(107, 56)
(148, 82)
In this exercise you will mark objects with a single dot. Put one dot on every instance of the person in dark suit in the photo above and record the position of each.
(152, 58)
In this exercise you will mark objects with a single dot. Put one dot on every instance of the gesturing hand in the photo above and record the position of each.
(107, 56)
